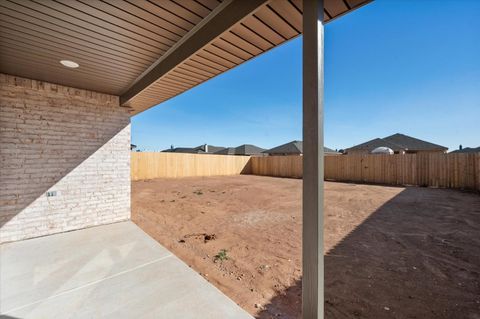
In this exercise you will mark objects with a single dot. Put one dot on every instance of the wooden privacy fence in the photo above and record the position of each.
(281, 166)
(155, 165)
(436, 170)
(381, 169)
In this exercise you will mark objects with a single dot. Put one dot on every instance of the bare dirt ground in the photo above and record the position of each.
(391, 252)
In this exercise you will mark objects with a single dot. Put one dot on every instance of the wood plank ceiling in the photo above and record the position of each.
(116, 42)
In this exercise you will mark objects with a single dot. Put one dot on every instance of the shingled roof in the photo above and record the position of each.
(244, 149)
(413, 144)
(248, 149)
(294, 147)
(195, 150)
(327, 150)
(398, 142)
(373, 144)
(226, 151)
(467, 150)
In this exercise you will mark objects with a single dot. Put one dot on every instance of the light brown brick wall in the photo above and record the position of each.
(56, 138)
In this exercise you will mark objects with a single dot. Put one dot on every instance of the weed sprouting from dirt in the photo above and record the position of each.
(221, 256)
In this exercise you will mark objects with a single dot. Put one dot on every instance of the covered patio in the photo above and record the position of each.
(108, 271)
(72, 74)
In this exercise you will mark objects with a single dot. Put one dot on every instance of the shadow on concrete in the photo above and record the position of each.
(417, 256)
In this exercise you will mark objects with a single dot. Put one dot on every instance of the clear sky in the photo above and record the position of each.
(407, 66)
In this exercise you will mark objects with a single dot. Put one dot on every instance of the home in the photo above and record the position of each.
(202, 149)
(244, 149)
(399, 143)
(295, 148)
(462, 149)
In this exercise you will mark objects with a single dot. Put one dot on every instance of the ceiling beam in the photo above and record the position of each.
(222, 18)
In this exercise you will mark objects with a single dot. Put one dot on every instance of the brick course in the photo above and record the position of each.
(56, 138)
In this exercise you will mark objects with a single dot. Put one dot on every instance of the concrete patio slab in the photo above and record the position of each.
(112, 271)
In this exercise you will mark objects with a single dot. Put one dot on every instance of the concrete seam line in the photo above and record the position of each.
(86, 285)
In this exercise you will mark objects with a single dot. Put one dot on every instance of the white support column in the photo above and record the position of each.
(313, 266)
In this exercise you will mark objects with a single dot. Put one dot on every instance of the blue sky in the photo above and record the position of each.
(408, 66)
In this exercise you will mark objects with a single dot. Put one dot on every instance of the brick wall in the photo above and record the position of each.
(70, 141)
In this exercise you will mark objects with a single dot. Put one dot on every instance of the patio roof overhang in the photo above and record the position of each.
(146, 52)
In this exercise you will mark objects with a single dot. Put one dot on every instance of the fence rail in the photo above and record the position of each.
(436, 170)
(155, 165)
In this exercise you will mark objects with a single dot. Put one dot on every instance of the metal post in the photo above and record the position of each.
(313, 266)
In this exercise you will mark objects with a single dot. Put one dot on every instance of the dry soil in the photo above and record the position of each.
(391, 252)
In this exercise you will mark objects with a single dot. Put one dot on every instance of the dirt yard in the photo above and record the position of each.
(391, 252)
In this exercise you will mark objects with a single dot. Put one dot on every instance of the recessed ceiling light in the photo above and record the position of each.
(69, 64)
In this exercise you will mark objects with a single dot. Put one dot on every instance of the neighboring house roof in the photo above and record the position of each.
(373, 144)
(467, 150)
(182, 150)
(398, 142)
(248, 149)
(294, 147)
(327, 150)
(413, 144)
(226, 151)
(211, 149)
(245, 149)
(195, 150)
